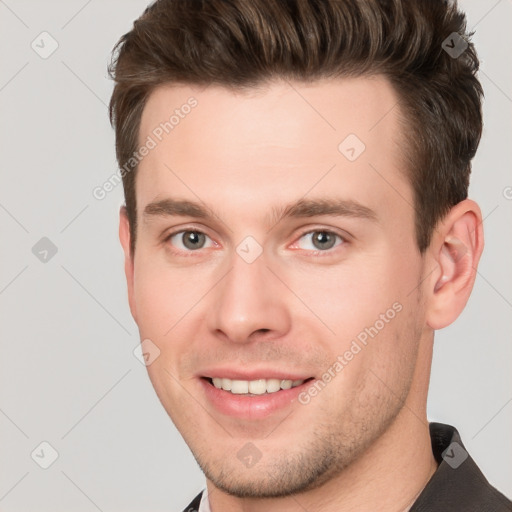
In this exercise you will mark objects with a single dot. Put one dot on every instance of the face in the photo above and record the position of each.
(276, 272)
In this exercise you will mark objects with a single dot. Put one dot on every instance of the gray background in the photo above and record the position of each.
(68, 375)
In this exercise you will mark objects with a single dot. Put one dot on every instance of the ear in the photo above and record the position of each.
(456, 247)
(125, 238)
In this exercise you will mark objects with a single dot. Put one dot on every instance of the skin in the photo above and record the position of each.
(362, 443)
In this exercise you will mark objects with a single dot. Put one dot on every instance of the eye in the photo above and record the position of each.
(320, 240)
(189, 240)
(316, 241)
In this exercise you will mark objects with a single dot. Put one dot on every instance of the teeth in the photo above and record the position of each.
(258, 387)
(254, 387)
(273, 385)
(239, 387)
(286, 384)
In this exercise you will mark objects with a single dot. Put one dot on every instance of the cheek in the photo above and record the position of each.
(153, 302)
(373, 318)
(373, 370)
(349, 297)
(163, 295)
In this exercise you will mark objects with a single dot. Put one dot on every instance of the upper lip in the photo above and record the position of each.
(254, 374)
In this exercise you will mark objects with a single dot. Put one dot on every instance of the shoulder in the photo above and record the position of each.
(458, 484)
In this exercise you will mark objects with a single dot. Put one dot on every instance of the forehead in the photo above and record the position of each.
(281, 113)
(265, 142)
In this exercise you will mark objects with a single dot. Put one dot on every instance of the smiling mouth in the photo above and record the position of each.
(254, 387)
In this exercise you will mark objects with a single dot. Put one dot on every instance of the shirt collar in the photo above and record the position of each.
(204, 505)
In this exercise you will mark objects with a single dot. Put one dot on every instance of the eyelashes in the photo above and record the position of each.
(198, 235)
(330, 235)
(189, 241)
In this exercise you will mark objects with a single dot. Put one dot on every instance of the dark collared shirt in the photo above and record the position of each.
(457, 485)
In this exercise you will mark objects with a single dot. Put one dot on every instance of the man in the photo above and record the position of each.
(296, 228)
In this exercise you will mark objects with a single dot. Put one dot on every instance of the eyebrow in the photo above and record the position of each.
(302, 208)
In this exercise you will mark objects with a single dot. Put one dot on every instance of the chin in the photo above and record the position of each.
(278, 477)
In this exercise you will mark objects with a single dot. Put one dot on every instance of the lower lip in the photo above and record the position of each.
(251, 407)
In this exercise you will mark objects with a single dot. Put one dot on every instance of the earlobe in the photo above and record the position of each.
(125, 238)
(456, 248)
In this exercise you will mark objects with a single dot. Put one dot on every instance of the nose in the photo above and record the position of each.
(249, 303)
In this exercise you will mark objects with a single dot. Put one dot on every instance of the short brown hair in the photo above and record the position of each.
(245, 43)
